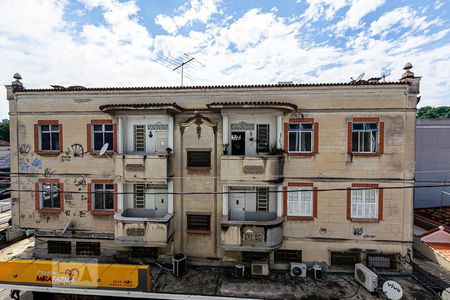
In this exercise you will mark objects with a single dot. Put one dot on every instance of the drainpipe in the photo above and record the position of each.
(280, 200)
(215, 191)
(181, 155)
(279, 131)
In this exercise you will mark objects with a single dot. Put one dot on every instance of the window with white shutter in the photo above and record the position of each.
(364, 203)
(300, 201)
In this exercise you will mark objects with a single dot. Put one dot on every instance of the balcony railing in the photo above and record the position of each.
(249, 235)
(139, 227)
(264, 168)
(142, 167)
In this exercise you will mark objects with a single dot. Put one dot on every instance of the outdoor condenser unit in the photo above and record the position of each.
(366, 277)
(260, 268)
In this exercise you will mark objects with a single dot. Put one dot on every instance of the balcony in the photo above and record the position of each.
(264, 168)
(140, 227)
(259, 232)
(143, 167)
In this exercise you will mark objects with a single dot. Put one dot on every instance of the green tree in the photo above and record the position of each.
(428, 112)
(4, 132)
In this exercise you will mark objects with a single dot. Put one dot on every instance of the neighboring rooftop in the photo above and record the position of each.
(434, 215)
(4, 143)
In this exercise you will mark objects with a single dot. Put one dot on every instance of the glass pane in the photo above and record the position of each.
(355, 142)
(371, 126)
(108, 127)
(54, 128)
(109, 140)
(109, 187)
(55, 196)
(98, 200)
(98, 127)
(306, 141)
(361, 142)
(358, 126)
(109, 200)
(98, 187)
(307, 126)
(55, 141)
(45, 127)
(293, 141)
(374, 141)
(294, 126)
(45, 141)
(367, 146)
(98, 141)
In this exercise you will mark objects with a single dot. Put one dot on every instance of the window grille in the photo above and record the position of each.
(88, 248)
(255, 256)
(200, 222)
(139, 138)
(382, 261)
(262, 138)
(287, 256)
(345, 260)
(198, 159)
(139, 196)
(59, 247)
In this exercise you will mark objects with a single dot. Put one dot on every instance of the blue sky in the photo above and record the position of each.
(137, 43)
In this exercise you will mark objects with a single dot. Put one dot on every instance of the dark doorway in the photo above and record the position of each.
(237, 143)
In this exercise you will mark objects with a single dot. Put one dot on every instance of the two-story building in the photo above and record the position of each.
(283, 172)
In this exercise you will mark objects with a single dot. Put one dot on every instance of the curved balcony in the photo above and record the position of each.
(259, 232)
(140, 227)
(264, 168)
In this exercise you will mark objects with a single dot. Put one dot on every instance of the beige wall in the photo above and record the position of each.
(331, 168)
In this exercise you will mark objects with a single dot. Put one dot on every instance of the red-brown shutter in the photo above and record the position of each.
(89, 189)
(349, 203)
(381, 146)
(285, 201)
(286, 137)
(36, 138)
(89, 137)
(61, 196)
(61, 148)
(115, 197)
(115, 138)
(380, 204)
(315, 202)
(36, 195)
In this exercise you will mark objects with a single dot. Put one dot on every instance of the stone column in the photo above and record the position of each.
(120, 197)
(170, 133)
(280, 200)
(120, 136)
(280, 132)
(170, 196)
(225, 200)
(225, 130)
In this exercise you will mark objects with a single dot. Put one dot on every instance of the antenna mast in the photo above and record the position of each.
(182, 68)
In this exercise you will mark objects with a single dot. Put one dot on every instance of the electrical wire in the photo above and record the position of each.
(241, 192)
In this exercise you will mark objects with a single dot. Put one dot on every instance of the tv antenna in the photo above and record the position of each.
(183, 63)
(357, 79)
(384, 75)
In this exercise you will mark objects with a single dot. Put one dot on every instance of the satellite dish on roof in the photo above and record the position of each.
(392, 290)
(104, 148)
(360, 77)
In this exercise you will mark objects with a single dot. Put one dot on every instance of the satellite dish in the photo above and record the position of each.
(360, 77)
(392, 290)
(104, 148)
(446, 294)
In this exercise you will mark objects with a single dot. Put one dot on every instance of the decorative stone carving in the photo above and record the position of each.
(158, 126)
(243, 126)
(252, 235)
(135, 231)
(259, 170)
(135, 168)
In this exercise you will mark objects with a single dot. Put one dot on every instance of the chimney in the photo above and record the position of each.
(414, 82)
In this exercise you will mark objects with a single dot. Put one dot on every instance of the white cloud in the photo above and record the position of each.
(358, 10)
(195, 10)
(255, 47)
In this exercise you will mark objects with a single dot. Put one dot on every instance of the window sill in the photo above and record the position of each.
(301, 153)
(49, 211)
(198, 231)
(370, 154)
(199, 168)
(48, 153)
(97, 154)
(364, 220)
(102, 212)
(300, 218)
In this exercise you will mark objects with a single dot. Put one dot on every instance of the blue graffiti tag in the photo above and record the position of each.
(37, 163)
(23, 166)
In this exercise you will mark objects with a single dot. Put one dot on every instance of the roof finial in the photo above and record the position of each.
(407, 68)
(17, 85)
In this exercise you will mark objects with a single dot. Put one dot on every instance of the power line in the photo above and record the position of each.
(307, 189)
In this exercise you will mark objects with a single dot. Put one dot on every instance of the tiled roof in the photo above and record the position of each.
(435, 215)
(209, 87)
(128, 106)
(441, 248)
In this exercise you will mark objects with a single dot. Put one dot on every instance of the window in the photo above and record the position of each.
(301, 137)
(262, 199)
(139, 196)
(364, 137)
(50, 195)
(59, 247)
(103, 197)
(199, 222)
(345, 260)
(49, 137)
(300, 201)
(103, 133)
(88, 248)
(364, 203)
(287, 256)
(382, 261)
(139, 138)
(255, 256)
(262, 138)
(199, 159)
(144, 252)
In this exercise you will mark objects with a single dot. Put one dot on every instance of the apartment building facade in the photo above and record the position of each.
(285, 172)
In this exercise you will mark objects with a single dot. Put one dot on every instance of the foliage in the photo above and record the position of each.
(428, 112)
(4, 132)
(274, 150)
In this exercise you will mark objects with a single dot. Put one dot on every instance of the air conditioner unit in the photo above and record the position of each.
(260, 268)
(366, 277)
(298, 269)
